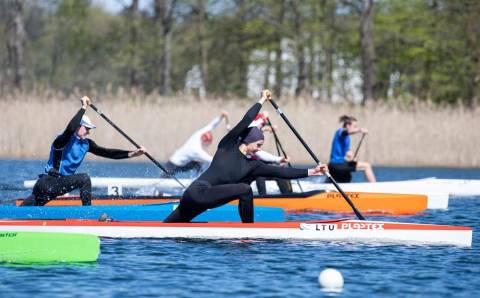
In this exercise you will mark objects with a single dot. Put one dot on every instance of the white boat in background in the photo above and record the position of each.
(375, 232)
(454, 187)
(102, 182)
(429, 186)
(156, 186)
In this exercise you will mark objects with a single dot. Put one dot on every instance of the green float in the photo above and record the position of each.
(39, 247)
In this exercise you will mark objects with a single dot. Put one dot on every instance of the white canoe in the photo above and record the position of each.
(102, 182)
(154, 186)
(376, 232)
(455, 187)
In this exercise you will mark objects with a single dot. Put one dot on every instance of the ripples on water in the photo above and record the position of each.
(235, 268)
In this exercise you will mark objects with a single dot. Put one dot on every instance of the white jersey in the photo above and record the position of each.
(192, 149)
(267, 157)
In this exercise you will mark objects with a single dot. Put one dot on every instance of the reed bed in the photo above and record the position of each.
(400, 135)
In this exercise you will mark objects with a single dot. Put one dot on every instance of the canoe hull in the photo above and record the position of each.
(371, 203)
(393, 204)
(341, 230)
(154, 212)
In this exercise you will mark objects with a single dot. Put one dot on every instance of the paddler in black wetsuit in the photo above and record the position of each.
(66, 154)
(230, 172)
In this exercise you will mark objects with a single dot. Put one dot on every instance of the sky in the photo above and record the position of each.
(114, 6)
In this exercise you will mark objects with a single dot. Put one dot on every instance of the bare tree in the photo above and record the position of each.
(300, 48)
(16, 43)
(133, 43)
(329, 8)
(268, 67)
(311, 79)
(368, 50)
(473, 47)
(164, 12)
(201, 17)
(278, 50)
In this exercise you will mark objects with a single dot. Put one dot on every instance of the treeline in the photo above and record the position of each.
(327, 49)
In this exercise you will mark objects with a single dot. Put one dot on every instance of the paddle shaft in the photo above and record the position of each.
(344, 195)
(358, 146)
(279, 151)
(134, 143)
(277, 141)
(280, 148)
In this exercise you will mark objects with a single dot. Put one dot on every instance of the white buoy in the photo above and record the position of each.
(331, 280)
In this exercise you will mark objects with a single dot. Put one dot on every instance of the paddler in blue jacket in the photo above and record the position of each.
(66, 154)
(341, 163)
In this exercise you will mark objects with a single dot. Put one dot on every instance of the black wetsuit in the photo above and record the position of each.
(341, 172)
(228, 178)
(54, 183)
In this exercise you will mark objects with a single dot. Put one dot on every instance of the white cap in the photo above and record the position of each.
(87, 122)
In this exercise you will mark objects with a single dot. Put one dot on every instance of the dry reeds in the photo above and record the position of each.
(418, 135)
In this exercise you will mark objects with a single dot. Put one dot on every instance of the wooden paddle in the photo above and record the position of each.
(134, 143)
(280, 148)
(299, 137)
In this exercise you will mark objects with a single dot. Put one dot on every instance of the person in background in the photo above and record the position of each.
(192, 155)
(341, 163)
(66, 154)
(284, 185)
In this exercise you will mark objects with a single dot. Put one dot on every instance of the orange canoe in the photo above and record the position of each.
(383, 203)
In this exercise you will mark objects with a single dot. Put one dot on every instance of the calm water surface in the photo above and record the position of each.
(174, 268)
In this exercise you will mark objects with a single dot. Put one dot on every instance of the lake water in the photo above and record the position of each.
(234, 268)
